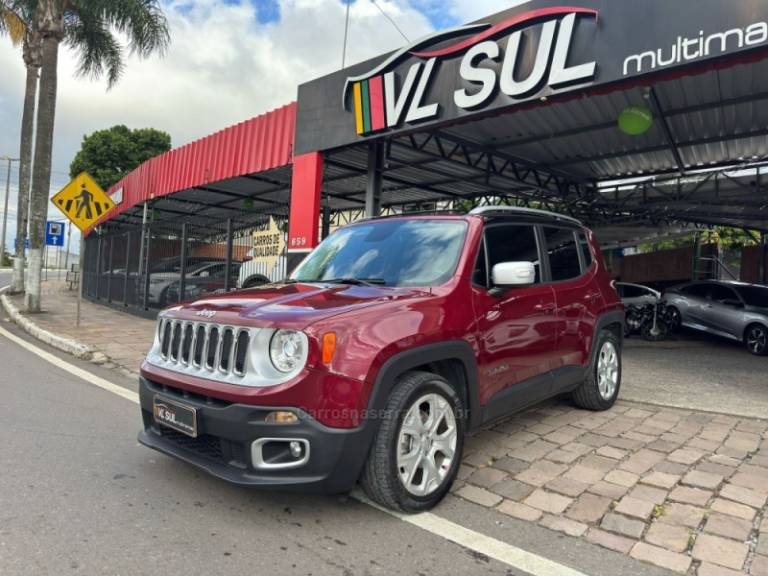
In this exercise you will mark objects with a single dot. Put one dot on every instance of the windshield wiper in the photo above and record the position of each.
(353, 281)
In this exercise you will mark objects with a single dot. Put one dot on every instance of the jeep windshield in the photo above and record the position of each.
(387, 252)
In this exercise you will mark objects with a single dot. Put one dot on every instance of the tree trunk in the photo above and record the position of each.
(25, 172)
(41, 176)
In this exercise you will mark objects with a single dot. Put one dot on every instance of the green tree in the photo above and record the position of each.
(110, 154)
(17, 20)
(93, 28)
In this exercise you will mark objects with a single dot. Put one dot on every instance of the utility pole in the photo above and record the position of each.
(5, 210)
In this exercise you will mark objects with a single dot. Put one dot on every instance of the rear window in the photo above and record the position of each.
(754, 295)
(563, 253)
(696, 290)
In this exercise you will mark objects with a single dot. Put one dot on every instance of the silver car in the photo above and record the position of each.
(732, 310)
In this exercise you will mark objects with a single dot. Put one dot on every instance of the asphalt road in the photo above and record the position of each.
(696, 371)
(79, 495)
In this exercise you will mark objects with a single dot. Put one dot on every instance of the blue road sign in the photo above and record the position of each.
(26, 243)
(54, 233)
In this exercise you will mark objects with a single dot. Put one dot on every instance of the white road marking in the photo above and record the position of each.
(506, 553)
(491, 547)
(72, 369)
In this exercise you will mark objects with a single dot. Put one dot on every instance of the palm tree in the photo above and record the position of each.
(88, 26)
(16, 19)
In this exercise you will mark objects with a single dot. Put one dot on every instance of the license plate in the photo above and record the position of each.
(174, 415)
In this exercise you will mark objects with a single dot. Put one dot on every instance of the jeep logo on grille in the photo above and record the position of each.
(206, 314)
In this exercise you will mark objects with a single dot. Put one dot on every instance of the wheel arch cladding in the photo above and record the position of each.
(454, 360)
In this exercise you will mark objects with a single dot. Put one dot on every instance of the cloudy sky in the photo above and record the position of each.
(229, 60)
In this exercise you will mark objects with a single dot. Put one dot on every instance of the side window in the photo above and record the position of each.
(632, 292)
(512, 243)
(722, 293)
(696, 290)
(563, 253)
(585, 250)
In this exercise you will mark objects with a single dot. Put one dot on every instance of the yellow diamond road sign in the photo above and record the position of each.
(83, 201)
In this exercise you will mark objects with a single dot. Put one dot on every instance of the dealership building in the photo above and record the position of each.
(645, 120)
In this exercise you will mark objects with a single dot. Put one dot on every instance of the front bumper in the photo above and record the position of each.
(226, 432)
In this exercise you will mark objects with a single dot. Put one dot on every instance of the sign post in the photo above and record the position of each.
(84, 203)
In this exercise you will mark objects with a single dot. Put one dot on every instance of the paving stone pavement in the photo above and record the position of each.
(681, 489)
(678, 488)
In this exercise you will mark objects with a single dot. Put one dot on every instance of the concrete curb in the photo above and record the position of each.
(68, 345)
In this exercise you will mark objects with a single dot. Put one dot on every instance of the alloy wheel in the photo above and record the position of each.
(607, 370)
(426, 445)
(757, 338)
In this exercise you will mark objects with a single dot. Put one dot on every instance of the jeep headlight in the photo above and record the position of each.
(287, 350)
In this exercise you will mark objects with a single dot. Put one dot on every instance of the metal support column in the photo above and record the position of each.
(375, 178)
(183, 263)
(326, 227)
(228, 265)
(127, 267)
(110, 261)
(145, 248)
(98, 266)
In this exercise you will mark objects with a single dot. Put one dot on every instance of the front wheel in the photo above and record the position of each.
(601, 386)
(655, 332)
(674, 318)
(756, 339)
(417, 450)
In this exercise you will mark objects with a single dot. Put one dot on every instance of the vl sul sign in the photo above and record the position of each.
(492, 61)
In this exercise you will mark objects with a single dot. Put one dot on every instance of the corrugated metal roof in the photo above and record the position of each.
(256, 145)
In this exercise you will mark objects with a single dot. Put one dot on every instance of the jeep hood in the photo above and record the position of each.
(293, 306)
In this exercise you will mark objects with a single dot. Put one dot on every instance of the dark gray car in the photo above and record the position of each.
(732, 310)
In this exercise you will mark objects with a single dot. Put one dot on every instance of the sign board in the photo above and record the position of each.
(26, 243)
(83, 201)
(54, 233)
(117, 196)
(530, 53)
(268, 245)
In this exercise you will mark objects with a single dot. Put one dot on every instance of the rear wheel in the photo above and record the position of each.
(601, 387)
(417, 450)
(657, 332)
(255, 282)
(756, 339)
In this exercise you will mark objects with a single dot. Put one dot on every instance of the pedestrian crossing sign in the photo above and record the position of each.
(83, 201)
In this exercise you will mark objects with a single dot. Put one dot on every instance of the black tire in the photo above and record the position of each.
(380, 478)
(255, 282)
(662, 331)
(674, 318)
(756, 339)
(588, 395)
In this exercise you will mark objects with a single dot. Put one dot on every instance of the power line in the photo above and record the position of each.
(346, 33)
(388, 17)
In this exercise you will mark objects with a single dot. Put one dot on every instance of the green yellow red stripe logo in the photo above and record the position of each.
(369, 105)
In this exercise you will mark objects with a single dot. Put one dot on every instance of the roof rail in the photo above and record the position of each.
(484, 210)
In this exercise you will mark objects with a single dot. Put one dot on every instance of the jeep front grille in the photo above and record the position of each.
(204, 347)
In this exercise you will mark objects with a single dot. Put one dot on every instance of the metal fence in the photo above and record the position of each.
(148, 267)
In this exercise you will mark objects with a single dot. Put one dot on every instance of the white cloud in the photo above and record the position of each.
(223, 67)
(470, 10)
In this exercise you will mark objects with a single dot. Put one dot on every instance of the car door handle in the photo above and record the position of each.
(544, 307)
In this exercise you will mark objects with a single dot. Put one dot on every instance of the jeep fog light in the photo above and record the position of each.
(286, 350)
(281, 417)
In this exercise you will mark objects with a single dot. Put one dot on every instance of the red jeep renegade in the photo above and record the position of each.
(392, 340)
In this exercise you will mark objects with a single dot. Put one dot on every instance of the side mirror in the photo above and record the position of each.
(510, 274)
